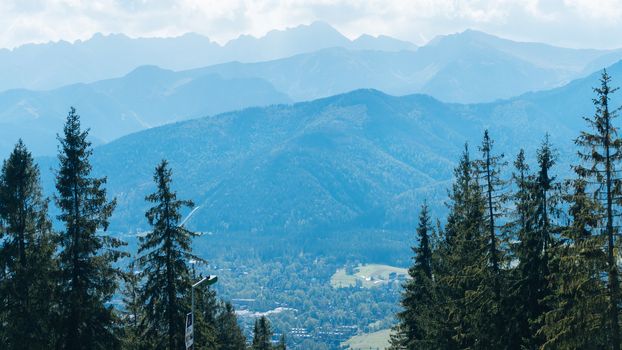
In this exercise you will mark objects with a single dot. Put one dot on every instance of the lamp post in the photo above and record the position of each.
(210, 279)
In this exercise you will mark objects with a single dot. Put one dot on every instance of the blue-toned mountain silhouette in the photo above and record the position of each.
(363, 160)
(51, 65)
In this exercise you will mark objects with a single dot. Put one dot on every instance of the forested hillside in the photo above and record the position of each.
(487, 224)
(529, 261)
(361, 160)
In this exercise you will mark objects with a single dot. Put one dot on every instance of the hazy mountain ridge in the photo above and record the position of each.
(51, 65)
(147, 97)
(466, 67)
(362, 160)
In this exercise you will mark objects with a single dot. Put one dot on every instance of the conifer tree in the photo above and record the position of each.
(488, 298)
(262, 335)
(88, 278)
(282, 345)
(547, 158)
(413, 330)
(601, 152)
(531, 232)
(205, 323)
(525, 251)
(165, 254)
(230, 336)
(27, 282)
(545, 206)
(490, 169)
(460, 259)
(576, 317)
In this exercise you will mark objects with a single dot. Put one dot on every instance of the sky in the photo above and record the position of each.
(568, 23)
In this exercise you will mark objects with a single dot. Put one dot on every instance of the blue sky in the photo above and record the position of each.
(570, 23)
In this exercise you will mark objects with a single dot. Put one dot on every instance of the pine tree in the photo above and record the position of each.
(488, 298)
(205, 323)
(27, 253)
(230, 336)
(577, 317)
(460, 259)
(413, 331)
(490, 169)
(545, 207)
(601, 153)
(531, 232)
(525, 251)
(88, 278)
(282, 345)
(262, 335)
(545, 202)
(166, 252)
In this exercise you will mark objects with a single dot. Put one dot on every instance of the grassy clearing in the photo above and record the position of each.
(377, 340)
(369, 275)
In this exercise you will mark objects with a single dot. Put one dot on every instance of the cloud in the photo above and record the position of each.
(601, 10)
(576, 23)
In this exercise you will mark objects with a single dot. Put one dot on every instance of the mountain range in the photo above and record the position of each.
(363, 160)
(51, 65)
(468, 67)
(465, 56)
(147, 97)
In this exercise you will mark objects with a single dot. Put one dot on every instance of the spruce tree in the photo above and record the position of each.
(262, 335)
(547, 157)
(205, 322)
(282, 345)
(88, 278)
(166, 252)
(530, 230)
(525, 250)
(490, 169)
(413, 330)
(26, 250)
(460, 259)
(545, 207)
(230, 336)
(601, 151)
(576, 317)
(488, 297)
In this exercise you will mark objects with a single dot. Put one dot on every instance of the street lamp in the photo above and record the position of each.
(210, 279)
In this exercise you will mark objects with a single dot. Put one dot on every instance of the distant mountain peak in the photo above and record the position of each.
(147, 69)
(382, 42)
(318, 29)
(467, 35)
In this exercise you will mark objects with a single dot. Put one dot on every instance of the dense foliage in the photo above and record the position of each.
(57, 287)
(528, 265)
(525, 261)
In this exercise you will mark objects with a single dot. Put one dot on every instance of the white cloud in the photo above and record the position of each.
(577, 23)
(601, 10)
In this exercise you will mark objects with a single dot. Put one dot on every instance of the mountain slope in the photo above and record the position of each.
(51, 65)
(352, 162)
(147, 97)
(539, 54)
(328, 163)
(469, 67)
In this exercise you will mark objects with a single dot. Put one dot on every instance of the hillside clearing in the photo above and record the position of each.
(377, 340)
(368, 275)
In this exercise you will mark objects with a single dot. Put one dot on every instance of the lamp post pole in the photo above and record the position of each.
(210, 279)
